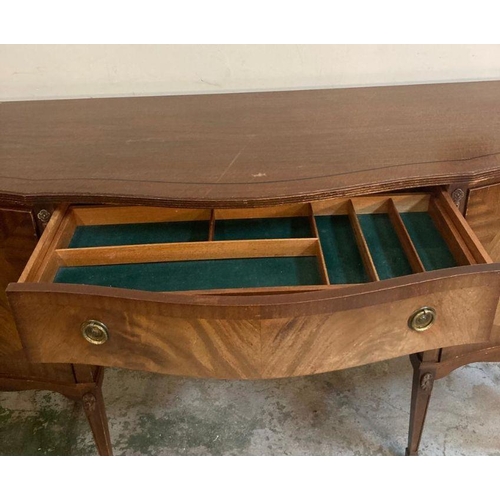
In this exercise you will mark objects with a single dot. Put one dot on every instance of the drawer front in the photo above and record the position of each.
(256, 336)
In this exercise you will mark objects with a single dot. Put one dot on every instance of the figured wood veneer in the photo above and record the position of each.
(257, 336)
(483, 216)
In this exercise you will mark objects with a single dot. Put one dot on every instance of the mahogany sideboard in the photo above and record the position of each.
(252, 235)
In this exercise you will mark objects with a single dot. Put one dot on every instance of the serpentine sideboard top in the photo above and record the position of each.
(249, 148)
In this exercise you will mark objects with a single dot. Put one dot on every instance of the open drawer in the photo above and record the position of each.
(255, 293)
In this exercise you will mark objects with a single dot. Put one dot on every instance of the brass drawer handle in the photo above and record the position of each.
(422, 319)
(95, 332)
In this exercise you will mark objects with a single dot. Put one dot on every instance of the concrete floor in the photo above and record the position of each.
(361, 411)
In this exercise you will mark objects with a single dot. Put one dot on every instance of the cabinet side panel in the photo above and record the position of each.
(483, 215)
(17, 242)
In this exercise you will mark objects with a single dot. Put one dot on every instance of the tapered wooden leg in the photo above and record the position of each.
(423, 382)
(93, 404)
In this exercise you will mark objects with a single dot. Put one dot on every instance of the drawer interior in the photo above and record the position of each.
(297, 247)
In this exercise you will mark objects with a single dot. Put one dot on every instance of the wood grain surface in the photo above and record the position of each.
(250, 148)
(483, 215)
(17, 241)
(256, 336)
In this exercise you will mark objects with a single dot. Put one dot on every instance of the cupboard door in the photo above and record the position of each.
(483, 215)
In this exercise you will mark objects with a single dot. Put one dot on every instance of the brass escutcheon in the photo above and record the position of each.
(43, 216)
(95, 332)
(422, 319)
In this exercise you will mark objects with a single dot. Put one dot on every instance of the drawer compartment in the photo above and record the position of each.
(255, 293)
(197, 274)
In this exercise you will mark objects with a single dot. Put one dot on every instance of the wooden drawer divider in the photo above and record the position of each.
(404, 238)
(461, 241)
(361, 242)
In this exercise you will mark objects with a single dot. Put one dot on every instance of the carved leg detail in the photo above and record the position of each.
(93, 404)
(423, 382)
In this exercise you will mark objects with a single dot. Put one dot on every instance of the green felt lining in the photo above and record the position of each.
(184, 231)
(428, 241)
(266, 228)
(198, 275)
(338, 243)
(341, 253)
(141, 233)
(387, 253)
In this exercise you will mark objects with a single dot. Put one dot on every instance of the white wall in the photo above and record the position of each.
(58, 71)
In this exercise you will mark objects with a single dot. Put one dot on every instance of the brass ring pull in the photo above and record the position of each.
(422, 319)
(95, 332)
